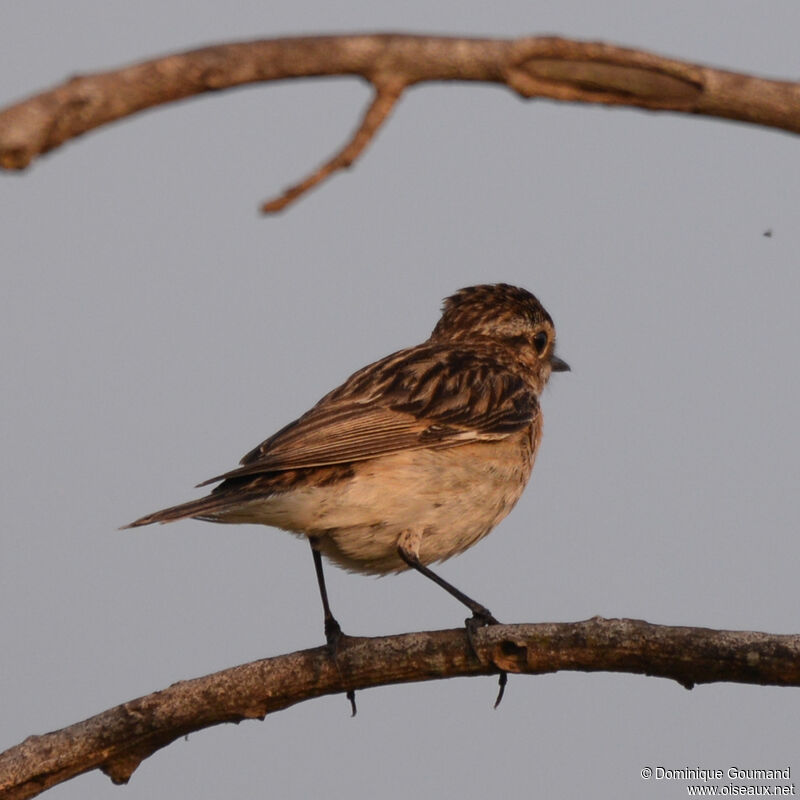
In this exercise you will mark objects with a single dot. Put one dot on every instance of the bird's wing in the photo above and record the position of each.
(425, 397)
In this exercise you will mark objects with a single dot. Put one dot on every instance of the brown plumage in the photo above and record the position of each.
(413, 458)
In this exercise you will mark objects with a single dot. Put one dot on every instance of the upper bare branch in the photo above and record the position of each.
(117, 740)
(548, 67)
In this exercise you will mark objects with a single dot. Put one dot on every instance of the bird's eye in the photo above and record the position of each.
(540, 342)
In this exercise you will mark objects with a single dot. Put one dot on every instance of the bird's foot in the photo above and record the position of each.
(333, 638)
(481, 618)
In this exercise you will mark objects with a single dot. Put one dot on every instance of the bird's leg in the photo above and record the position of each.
(480, 614)
(407, 549)
(333, 631)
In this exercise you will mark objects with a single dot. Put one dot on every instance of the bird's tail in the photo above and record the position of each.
(204, 508)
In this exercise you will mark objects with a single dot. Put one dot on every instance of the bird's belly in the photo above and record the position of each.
(453, 496)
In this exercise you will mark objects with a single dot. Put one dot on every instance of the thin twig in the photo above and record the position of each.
(386, 95)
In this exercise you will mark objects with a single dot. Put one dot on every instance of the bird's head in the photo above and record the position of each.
(503, 314)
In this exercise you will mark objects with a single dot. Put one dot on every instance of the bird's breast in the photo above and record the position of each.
(455, 496)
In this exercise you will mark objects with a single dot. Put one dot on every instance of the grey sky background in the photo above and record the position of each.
(155, 328)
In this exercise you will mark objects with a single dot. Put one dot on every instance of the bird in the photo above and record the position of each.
(414, 458)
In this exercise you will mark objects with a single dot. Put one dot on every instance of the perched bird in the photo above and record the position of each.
(414, 458)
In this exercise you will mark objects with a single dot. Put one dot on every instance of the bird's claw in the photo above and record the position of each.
(481, 618)
(333, 638)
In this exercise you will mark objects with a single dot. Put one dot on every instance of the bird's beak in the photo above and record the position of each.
(558, 364)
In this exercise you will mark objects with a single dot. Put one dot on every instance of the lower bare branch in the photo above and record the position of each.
(386, 95)
(118, 740)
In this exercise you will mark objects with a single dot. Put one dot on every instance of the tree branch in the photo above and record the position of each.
(546, 67)
(117, 740)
